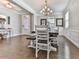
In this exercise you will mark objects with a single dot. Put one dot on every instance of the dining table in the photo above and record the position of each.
(32, 38)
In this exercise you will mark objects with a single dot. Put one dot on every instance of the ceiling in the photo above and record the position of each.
(14, 7)
(56, 5)
(37, 5)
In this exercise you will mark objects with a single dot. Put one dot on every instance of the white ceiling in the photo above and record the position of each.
(56, 5)
(5, 2)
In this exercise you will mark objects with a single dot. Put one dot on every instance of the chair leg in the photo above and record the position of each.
(48, 52)
(2, 37)
(36, 52)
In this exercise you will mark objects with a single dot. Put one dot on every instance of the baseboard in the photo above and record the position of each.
(71, 40)
(14, 35)
(25, 34)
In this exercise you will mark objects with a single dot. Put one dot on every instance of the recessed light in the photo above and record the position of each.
(9, 5)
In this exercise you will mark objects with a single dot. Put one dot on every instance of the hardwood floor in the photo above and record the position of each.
(16, 48)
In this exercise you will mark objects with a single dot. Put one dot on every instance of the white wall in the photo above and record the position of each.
(74, 14)
(72, 33)
(73, 9)
(34, 22)
(14, 19)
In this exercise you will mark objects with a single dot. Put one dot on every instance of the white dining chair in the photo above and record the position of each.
(42, 39)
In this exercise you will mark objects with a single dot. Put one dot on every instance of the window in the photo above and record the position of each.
(51, 20)
(67, 20)
(51, 24)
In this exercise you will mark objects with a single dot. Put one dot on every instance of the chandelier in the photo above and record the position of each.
(46, 10)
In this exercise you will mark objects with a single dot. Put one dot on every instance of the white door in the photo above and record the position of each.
(26, 24)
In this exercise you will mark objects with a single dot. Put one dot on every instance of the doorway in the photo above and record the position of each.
(25, 24)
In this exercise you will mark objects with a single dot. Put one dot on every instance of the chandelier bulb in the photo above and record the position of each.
(43, 9)
(48, 9)
(51, 11)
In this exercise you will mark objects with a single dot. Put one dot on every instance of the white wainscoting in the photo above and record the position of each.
(73, 36)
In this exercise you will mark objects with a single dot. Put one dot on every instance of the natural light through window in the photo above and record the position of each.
(67, 19)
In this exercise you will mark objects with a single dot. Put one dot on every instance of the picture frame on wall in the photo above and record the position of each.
(43, 22)
(59, 22)
(8, 19)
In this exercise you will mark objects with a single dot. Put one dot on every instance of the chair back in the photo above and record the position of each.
(42, 32)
